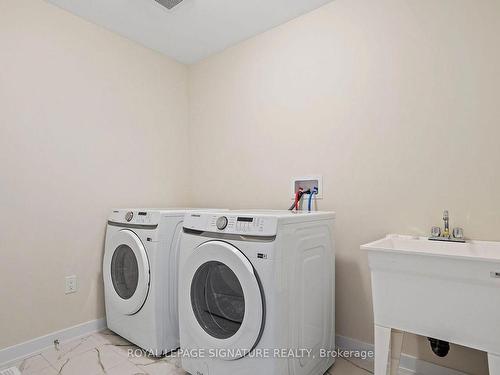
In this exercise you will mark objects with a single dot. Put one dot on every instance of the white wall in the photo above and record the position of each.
(394, 102)
(88, 121)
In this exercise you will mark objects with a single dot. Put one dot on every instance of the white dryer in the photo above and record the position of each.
(256, 293)
(140, 270)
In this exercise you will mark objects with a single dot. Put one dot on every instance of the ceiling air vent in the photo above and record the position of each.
(169, 4)
(10, 371)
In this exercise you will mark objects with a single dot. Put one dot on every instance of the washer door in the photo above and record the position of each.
(126, 272)
(227, 303)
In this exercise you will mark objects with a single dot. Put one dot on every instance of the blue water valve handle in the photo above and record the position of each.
(314, 191)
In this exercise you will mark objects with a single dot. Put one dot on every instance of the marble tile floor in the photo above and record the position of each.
(106, 353)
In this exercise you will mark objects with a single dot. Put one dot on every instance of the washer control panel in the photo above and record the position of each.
(232, 224)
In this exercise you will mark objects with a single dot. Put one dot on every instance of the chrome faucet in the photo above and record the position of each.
(445, 235)
(446, 219)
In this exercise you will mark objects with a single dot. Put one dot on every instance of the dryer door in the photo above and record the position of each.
(227, 304)
(126, 272)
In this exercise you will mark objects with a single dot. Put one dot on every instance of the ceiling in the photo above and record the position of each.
(192, 30)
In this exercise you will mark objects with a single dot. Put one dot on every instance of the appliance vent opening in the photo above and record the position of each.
(10, 371)
(169, 4)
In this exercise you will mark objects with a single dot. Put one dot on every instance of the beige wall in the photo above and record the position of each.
(88, 121)
(394, 102)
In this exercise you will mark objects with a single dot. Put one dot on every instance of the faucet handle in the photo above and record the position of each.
(435, 232)
(458, 233)
(446, 215)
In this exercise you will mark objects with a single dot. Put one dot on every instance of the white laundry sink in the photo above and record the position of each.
(448, 291)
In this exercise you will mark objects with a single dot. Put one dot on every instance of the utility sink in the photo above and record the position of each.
(446, 290)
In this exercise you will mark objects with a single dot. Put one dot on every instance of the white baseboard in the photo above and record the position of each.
(16, 352)
(408, 366)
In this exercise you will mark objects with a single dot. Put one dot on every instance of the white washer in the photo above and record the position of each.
(140, 270)
(256, 290)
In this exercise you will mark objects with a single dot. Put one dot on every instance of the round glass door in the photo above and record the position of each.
(217, 299)
(221, 299)
(126, 272)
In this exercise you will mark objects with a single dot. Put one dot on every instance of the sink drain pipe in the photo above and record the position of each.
(439, 347)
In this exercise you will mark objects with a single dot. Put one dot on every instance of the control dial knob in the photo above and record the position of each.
(221, 222)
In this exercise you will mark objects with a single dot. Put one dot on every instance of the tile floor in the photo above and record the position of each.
(106, 353)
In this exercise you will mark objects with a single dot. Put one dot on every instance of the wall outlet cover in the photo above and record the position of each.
(71, 285)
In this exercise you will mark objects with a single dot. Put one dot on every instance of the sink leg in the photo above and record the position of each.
(396, 346)
(494, 364)
(382, 344)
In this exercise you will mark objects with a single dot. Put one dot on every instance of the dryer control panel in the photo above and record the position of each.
(227, 222)
(135, 217)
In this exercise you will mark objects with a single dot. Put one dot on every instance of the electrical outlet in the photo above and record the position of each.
(71, 284)
(307, 183)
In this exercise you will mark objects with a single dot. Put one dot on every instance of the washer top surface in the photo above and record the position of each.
(263, 223)
(282, 213)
